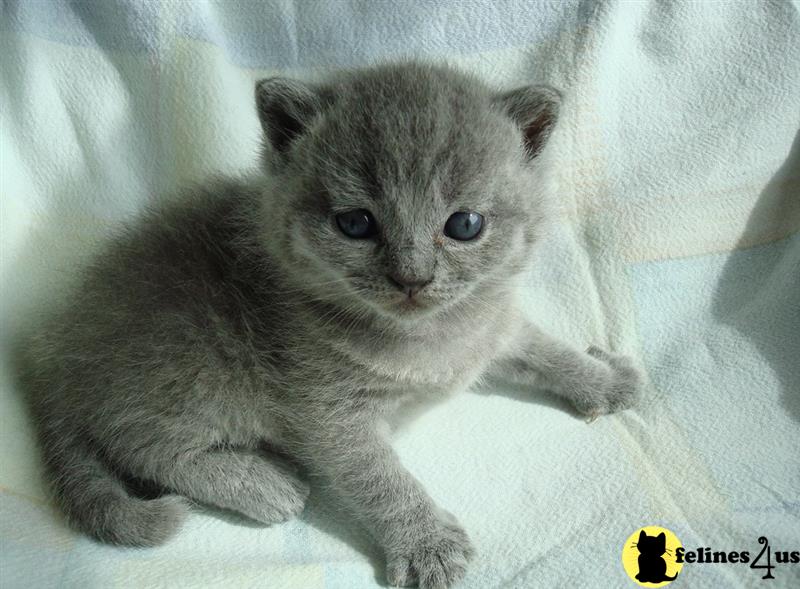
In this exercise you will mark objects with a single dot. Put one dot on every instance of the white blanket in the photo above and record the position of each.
(678, 242)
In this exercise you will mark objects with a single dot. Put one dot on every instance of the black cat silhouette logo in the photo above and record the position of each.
(649, 556)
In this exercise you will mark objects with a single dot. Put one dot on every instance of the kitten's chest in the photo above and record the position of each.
(444, 359)
(422, 364)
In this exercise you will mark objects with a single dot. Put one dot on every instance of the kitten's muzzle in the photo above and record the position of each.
(408, 285)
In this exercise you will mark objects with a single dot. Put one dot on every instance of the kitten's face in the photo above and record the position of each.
(410, 194)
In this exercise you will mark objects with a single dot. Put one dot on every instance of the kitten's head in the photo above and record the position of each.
(404, 188)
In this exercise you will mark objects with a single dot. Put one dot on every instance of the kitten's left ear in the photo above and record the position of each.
(535, 111)
(285, 107)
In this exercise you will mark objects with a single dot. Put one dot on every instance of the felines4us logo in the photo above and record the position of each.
(654, 557)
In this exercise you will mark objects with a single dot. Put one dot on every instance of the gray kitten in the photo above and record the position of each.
(252, 326)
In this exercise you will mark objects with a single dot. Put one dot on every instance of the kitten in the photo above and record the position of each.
(252, 326)
(652, 567)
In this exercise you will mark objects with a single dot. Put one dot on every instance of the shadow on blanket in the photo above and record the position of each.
(761, 302)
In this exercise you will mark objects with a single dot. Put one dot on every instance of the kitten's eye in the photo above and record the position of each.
(463, 226)
(357, 224)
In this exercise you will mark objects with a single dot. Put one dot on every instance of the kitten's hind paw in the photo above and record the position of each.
(620, 389)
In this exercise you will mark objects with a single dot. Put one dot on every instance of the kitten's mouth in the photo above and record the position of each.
(411, 305)
(400, 305)
(403, 306)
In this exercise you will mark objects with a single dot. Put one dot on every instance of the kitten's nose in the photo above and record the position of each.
(409, 285)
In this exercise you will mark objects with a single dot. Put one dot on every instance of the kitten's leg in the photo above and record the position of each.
(595, 382)
(252, 482)
(422, 543)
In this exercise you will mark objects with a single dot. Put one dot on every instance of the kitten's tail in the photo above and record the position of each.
(96, 502)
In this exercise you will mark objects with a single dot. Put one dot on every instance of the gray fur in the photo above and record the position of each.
(223, 339)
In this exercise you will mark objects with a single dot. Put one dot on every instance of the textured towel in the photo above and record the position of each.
(678, 242)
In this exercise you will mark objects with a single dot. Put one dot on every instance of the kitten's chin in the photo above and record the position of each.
(405, 309)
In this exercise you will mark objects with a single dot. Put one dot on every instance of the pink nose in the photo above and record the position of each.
(410, 286)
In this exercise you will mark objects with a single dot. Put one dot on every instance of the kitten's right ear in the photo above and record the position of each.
(285, 107)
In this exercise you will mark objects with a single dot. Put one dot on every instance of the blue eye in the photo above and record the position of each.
(357, 224)
(463, 226)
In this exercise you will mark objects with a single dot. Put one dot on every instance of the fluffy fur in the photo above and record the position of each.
(221, 340)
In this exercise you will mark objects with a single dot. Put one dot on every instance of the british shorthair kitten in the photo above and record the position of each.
(252, 327)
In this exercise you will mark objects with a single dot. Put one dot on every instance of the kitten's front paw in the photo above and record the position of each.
(437, 561)
(620, 389)
(275, 500)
